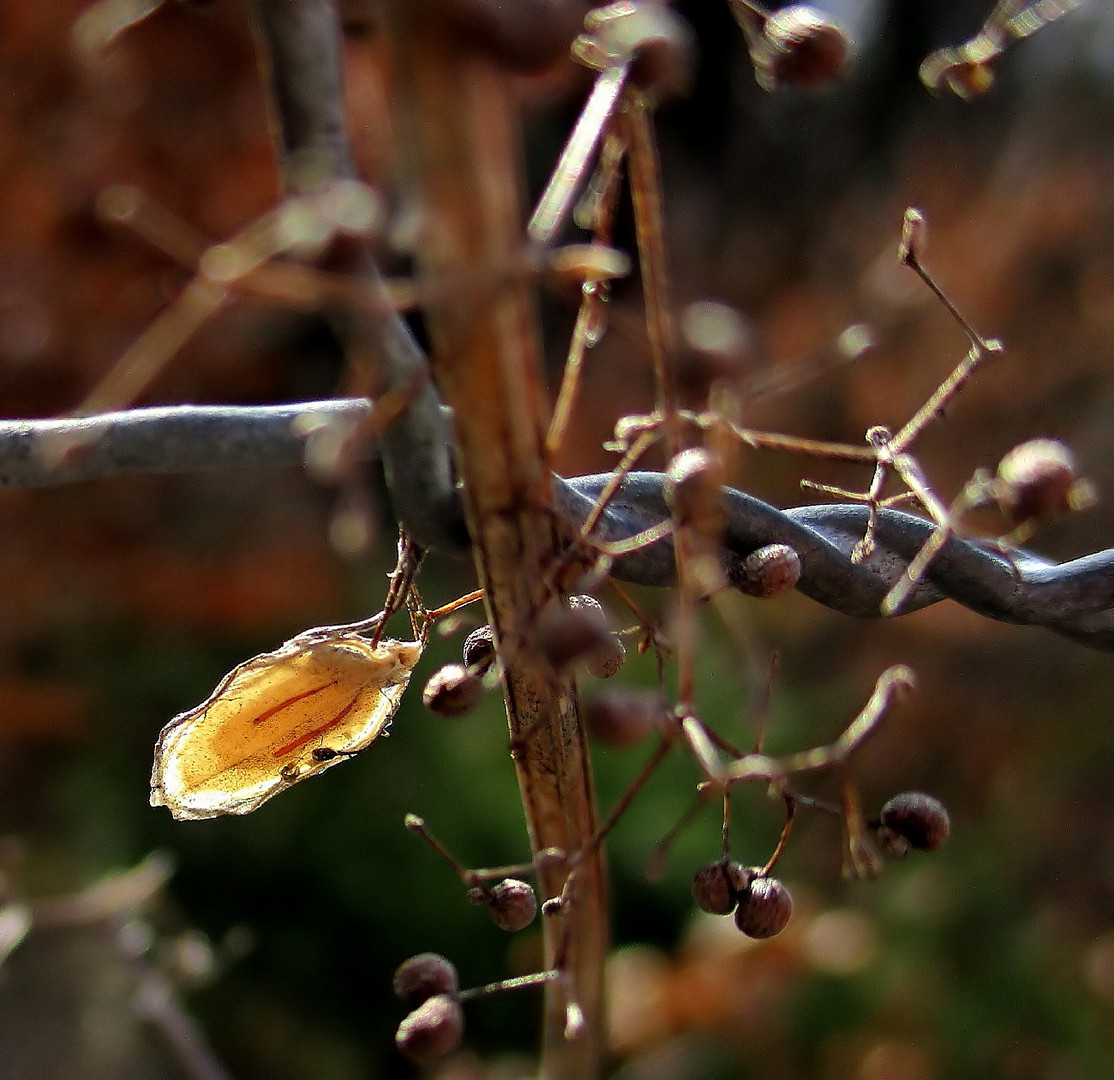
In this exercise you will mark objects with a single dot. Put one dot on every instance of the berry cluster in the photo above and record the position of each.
(566, 637)
(762, 905)
(435, 1027)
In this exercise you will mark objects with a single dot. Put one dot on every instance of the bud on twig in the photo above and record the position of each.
(1037, 482)
(765, 908)
(914, 237)
(651, 36)
(478, 650)
(801, 46)
(452, 691)
(432, 1030)
(692, 489)
(423, 976)
(767, 572)
(512, 903)
(913, 820)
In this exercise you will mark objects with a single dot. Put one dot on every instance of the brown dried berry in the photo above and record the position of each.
(423, 976)
(692, 489)
(432, 1030)
(741, 876)
(577, 632)
(918, 819)
(512, 903)
(452, 691)
(658, 42)
(479, 649)
(623, 717)
(1036, 481)
(713, 890)
(764, 909)
(666, 56)
(767, 572)
(801, 46)
(608, 658)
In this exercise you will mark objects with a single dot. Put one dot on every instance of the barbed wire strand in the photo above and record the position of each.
(1074, 598)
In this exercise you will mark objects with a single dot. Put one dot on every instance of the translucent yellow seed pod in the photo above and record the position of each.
(278, 718)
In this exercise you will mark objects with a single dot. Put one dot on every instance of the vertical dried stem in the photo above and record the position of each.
(459, 125)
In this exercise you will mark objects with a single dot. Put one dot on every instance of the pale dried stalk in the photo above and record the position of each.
(459, 125)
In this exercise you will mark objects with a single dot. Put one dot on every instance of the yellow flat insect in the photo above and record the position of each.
(278, 718)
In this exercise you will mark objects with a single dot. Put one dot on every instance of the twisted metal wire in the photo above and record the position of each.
(1075, 598)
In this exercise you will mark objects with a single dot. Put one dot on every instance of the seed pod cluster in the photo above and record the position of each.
(762, 905)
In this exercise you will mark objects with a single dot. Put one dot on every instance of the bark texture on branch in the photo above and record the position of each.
(458, 122)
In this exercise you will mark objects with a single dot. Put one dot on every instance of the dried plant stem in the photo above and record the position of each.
(561, 192)
(891, 684)
(456, 116)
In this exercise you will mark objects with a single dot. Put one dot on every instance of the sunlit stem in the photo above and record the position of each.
(561, 191)
(520, 982)
(783, 839)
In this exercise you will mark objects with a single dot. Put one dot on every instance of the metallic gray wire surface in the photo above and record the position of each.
(1075, 599)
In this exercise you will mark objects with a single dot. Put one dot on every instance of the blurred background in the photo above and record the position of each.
(123, 602)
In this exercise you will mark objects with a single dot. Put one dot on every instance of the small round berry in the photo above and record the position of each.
(608, 658)
(479, 649)
(918, 819)
(692, 489)
(766, 572)
(741, 877)
(452, 691)
(566, 635)
(423, 976)
(432, 1030)
(1036, 480)
(512, 903)
(623, 718)
(658, 42)
(712, 889)
(800, 45)
(666, 57)
(764, 909)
